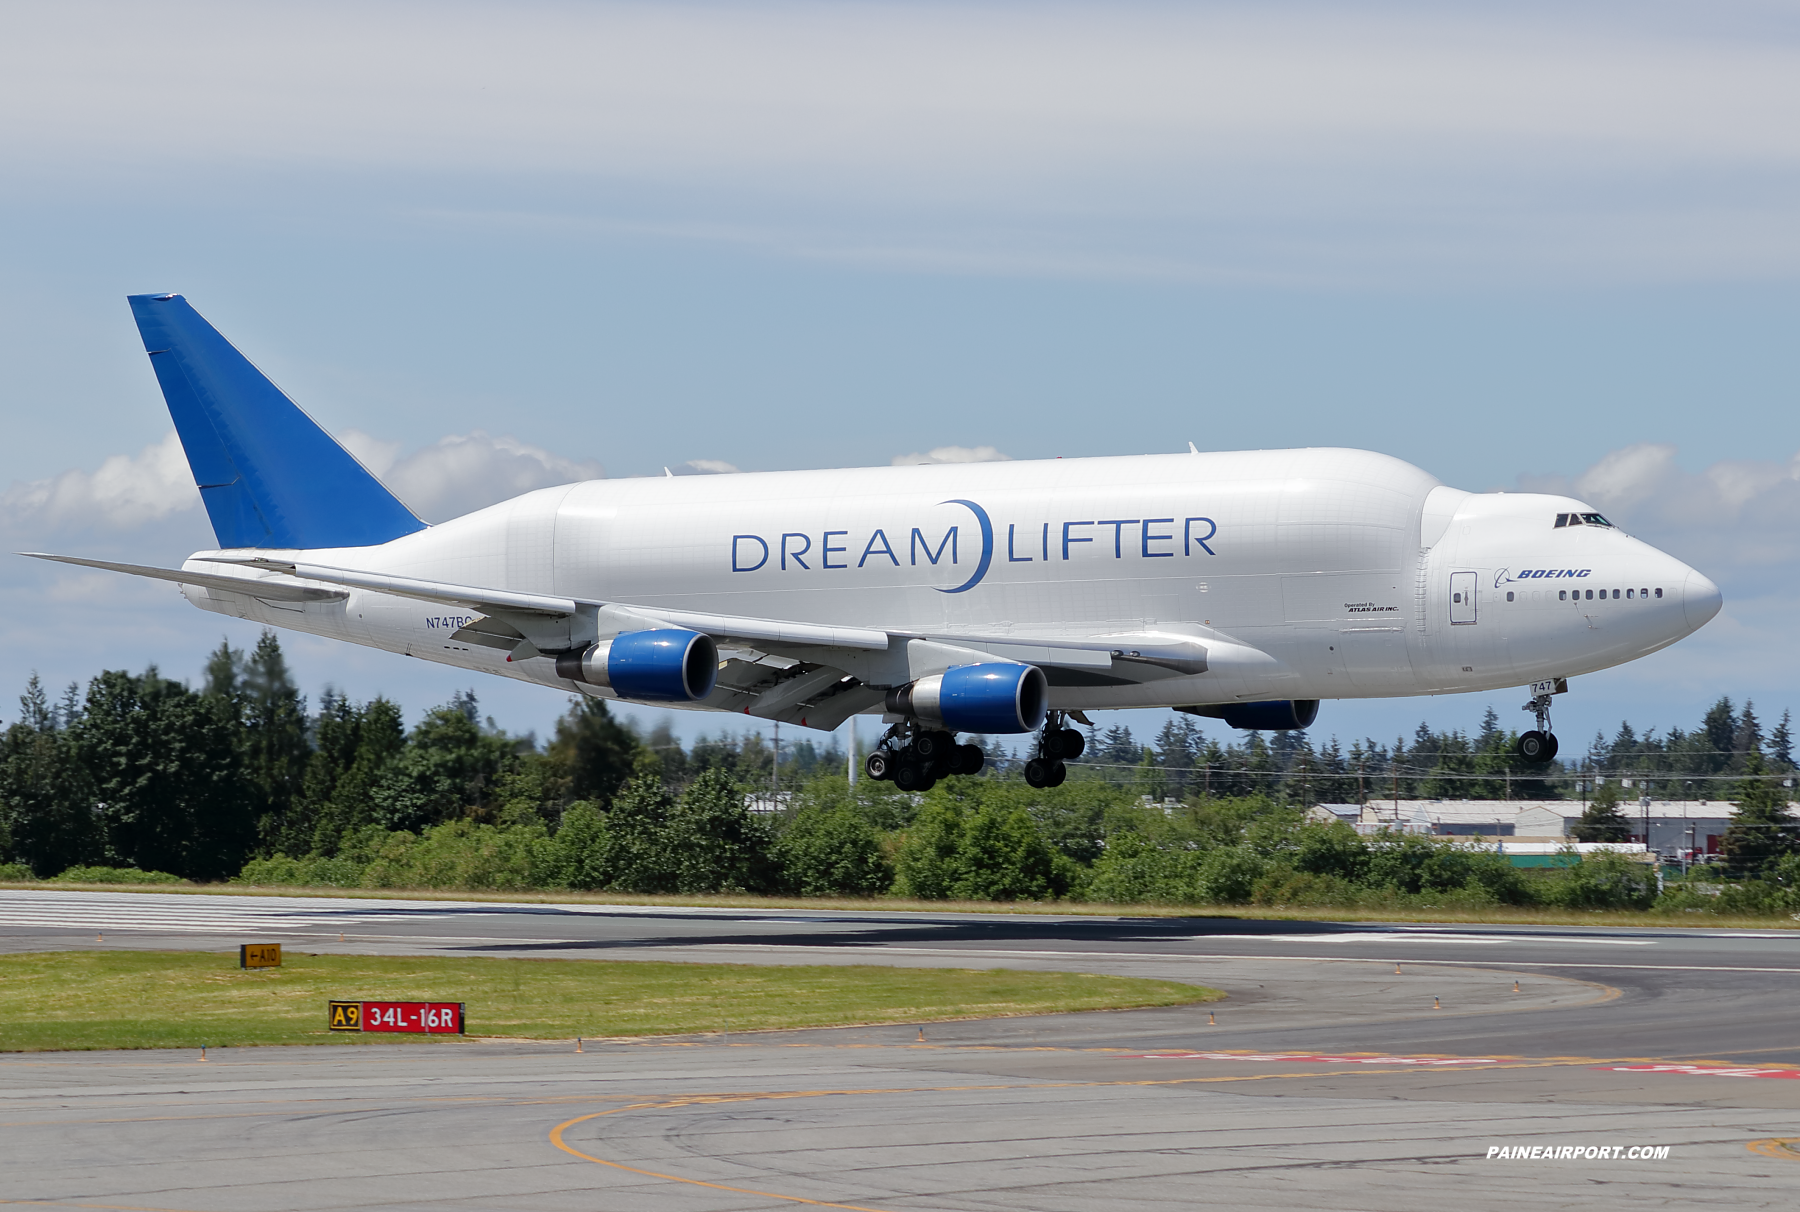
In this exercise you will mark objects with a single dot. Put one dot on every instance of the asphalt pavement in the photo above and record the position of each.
(1326, 1078)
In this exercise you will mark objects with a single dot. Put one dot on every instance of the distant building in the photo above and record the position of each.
(1676, 827)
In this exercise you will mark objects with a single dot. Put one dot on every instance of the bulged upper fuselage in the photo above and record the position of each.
(1314, 573)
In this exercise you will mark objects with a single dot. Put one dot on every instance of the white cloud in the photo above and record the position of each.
(1226, 139)
(451, 477)
(1734, 519)
(126, 492)
(706, 467)
(465, 472)
(953, 454)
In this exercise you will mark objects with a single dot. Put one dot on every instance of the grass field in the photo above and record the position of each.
(137, 999)
(1498, 915)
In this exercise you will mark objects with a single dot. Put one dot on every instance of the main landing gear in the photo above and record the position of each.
(1057, 744)
(1538, 745)
(916, 758)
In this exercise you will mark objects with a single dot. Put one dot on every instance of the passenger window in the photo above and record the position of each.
(1630, 593)
(1456, 598)
(1562, 595)
(1659, 593)
(1643, 593)
(1615, 595)
(1590, 595)
(1509, 595)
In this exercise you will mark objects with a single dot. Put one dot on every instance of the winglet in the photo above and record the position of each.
(269, 476)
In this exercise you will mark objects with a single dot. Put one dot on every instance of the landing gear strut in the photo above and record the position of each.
(915, 757)
(1057, 744)
(1538, 746)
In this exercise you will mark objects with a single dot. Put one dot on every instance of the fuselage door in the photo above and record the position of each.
(1462, 598)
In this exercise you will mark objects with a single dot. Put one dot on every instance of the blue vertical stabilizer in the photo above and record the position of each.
(270, 477)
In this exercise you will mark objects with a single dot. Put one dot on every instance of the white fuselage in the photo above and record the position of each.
(1308, 574)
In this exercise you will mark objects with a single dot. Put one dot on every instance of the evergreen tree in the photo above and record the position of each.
(1720, 727)
(276, 746)
(1763, 830)
(354, 747)
(46, 816)
(167, 775)
(1602, 821)
(1781, 744)
(1747, 738)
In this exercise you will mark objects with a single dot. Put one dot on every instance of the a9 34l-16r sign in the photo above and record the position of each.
(413, 1018)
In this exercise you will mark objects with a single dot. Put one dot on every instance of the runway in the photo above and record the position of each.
(1327, 1081)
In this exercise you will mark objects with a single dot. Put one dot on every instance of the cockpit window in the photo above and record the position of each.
(1580, 519)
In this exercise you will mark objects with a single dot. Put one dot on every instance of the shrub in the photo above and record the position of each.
(1132, 870)
(15, 873)
(832, 851)
(1604, 881)
(115, 875)
(314, 871)
(1228, 875)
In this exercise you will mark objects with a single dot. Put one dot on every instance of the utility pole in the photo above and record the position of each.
(851, 765)
(777, 765)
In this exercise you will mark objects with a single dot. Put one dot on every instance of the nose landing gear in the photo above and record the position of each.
(1057, 745)
(1538, 746)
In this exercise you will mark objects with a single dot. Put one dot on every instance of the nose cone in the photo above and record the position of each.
(1700, 600)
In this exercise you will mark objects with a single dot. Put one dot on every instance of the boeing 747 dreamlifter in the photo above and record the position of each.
(969, 598)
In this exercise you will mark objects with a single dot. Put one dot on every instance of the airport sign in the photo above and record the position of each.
(406, 1018)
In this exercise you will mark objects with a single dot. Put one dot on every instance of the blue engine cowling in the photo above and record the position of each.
(1277, 715)
(661, 666)
(977, 698)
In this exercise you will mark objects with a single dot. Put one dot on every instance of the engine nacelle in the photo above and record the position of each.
(661, 666)
(988, 697)
(1277, 715)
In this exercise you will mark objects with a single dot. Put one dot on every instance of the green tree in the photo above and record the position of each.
(635, 852)
(1763, 830)
(1602, 821)
(445, 770)
(352, 751)
(830, 850)
(583, 850)
(46, 799)
(167, 774)
(276, 747)
(714, 843)
(598, 752)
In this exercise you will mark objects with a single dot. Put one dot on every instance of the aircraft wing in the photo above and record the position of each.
(812, 674)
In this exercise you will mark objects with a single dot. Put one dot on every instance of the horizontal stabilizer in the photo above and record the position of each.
(268, 475)
(267, 590)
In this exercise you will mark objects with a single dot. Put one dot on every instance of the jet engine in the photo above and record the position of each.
(1274, 715)
(992, 697)
(661, 666)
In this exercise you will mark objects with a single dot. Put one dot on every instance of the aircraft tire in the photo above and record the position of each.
(879, 765)
(1072, 745)
(910, 776)
(1535, 747)
(973, 759)
(932, 746)
(1058, 772)
(1551, 737)
(1037, 772)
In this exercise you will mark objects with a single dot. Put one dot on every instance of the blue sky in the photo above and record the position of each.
(504, 245)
